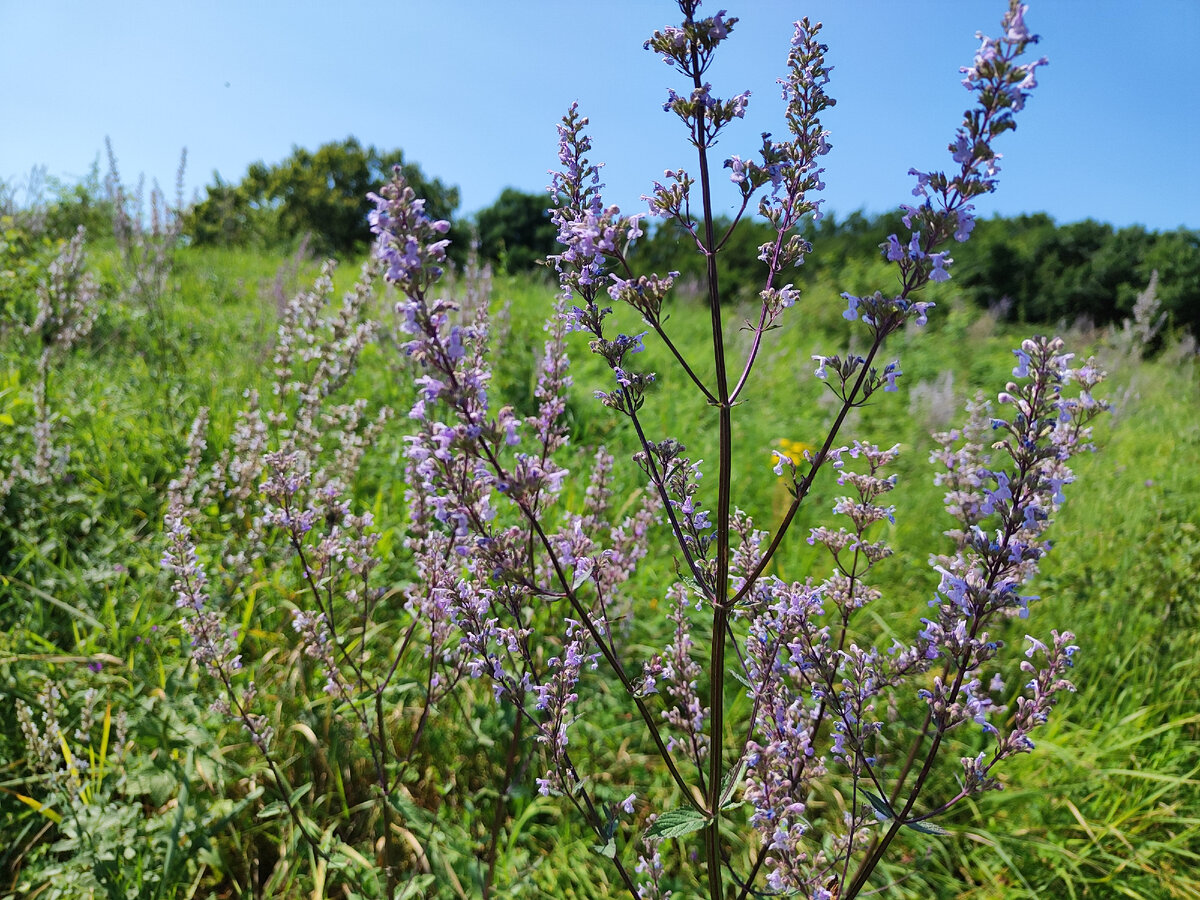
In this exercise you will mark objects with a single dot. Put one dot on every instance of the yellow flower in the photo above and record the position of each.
(794, 450)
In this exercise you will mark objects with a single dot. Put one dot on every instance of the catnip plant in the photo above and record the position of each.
(798, 743)
(844, 741)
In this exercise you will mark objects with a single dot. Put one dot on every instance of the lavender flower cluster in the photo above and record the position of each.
(520, 587)
(823, 701)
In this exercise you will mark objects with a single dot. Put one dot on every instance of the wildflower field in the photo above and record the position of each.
(403, 578)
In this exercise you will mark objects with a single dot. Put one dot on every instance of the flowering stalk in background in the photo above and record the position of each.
(74, 765)
(529, 589)
(147, 236)
(66, 311)
(276, 499)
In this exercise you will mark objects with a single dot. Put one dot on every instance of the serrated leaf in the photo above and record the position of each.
(676, 823)
(883, 809)
(729, 784)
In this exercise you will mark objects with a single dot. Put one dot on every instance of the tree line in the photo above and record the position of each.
(1027, 268)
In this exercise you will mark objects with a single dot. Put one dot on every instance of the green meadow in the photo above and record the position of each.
(146, 792)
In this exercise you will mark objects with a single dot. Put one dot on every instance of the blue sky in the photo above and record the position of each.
(471, 91)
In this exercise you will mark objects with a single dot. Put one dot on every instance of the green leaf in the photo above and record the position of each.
(402, 803)
(886, 814)
(46, 811)
(926, 828)
(882, 808)
(677, 822)
(583, 571)
(272, 810)
(64, 606)
(298, 793)
(729, 784)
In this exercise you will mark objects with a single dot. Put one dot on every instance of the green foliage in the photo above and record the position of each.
(50, 208)
(321, 193)
(1025, 268)
(1175, 255)
(1037, 271)
(79, 203)
(20, 252)
(110, 808)
(676, 823)
(669, 248)
(515, 232)
(836, 244)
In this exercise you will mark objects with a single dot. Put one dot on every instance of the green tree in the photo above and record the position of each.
(1175, 255)
(322, 193)
(515, 231)
(669, 248)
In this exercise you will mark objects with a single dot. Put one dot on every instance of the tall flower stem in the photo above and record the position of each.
(720, 615)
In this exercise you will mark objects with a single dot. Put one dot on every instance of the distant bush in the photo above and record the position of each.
(515, 232)
(42, 205)
(19, 251)
(321, 193)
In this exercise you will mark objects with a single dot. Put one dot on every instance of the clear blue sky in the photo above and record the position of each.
(471, 91)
